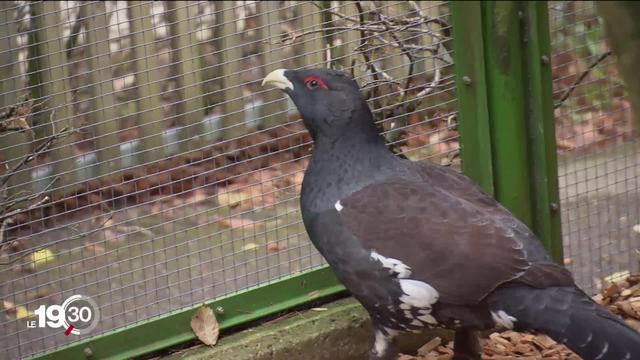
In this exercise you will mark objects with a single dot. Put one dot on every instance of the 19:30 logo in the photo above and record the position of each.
(79, 314)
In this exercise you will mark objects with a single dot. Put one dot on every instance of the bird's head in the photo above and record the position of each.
(329, 102)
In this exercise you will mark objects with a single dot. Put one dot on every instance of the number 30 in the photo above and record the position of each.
(83, 314)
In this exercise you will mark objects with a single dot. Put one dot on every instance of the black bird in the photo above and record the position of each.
(420, 245)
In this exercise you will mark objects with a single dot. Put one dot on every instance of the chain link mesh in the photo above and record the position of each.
(598, 149)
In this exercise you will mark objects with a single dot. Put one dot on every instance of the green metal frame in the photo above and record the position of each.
(471, 91)
(503, 77)
(174, 328)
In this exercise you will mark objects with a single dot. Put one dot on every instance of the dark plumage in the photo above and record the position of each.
(420, 245)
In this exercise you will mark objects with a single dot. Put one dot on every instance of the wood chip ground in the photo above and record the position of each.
(621, 298)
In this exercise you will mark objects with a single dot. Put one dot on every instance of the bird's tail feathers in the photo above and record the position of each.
(570, 317)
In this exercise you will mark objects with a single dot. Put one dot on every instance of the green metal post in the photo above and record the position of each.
(504, 69)
(503, 77)
(473, 110)
(541, 129)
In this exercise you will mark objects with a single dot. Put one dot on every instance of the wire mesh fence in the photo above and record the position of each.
(144, 166)
(598, 149)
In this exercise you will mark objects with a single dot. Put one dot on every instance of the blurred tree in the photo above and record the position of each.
(623, 31)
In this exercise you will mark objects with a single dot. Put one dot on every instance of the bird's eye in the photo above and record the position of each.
(312, 84)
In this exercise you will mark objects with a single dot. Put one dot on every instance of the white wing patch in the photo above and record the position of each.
(421, 296)
(425, 316)
(338, 206)
(418, 294)
(395, 266)
(502, 319)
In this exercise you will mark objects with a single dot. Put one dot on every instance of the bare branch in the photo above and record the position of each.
(32, 206)
(7, 218)
(24, 198)
(363, 43)
(79, 236)
(580, 78)
(380, 31)
(3, 227)
(416, 8)
(437, 74)
(293, 36)
(336, 13)
(43, 147)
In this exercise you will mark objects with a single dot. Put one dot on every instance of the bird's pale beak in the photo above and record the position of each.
(276, 78)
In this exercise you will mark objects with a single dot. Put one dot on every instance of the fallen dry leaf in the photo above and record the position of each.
(16, 124)
(205, 325)
(232, 198)
(23, 313)
(9, 307)
(275, 246)
(112, 237)
(39, 294)
(42, 257)
(249, 246)
(237, 222)
(105, 223)
(18, 244)
(246, 196)
(198, 196)
(618, 276)
(92, 249)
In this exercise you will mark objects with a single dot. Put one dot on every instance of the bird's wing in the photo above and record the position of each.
(458, 185)
(462, 246)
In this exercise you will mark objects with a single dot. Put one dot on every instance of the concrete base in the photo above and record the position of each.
(342, 332)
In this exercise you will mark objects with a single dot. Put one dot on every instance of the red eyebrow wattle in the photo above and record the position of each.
(320, 82)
